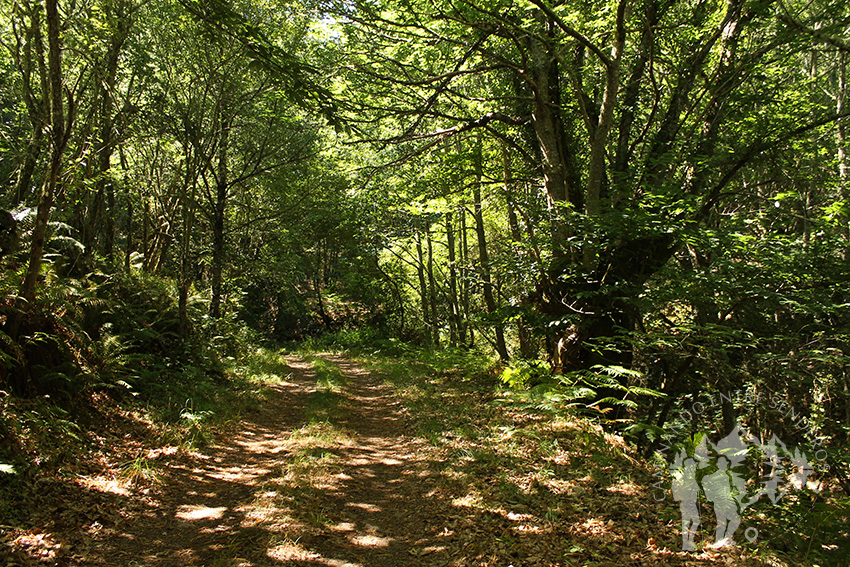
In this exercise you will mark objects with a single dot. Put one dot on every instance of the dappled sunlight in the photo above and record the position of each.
(191, 513)
(370, 540)
(363, 489)
(629, 489)
(595, 527)
(106, 484)
(292, 551)
(364, 506)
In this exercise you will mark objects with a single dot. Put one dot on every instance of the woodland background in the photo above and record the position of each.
(622, 207)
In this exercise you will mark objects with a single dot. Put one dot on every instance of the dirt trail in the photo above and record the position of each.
(328, 472)
(281, 491)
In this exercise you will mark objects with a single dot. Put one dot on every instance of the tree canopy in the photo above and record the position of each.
(631, 205)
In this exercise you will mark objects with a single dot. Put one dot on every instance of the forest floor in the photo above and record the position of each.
(339, 468)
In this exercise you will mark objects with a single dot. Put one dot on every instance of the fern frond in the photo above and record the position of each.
(618, 371)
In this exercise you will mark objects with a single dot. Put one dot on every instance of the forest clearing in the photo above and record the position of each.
(424, 282)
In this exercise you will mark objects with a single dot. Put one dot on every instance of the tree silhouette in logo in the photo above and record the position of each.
(725, 486)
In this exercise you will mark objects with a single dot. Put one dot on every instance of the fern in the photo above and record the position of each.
(67, 243)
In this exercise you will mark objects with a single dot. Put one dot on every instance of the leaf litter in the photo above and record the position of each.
(430, 472)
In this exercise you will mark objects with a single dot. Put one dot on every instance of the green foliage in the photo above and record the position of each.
(521, 374)
(140, 471)
(196, 422)
(594, 392)
(353, 341)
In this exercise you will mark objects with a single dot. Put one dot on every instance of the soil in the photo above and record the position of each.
(327, 477)
(236, 503)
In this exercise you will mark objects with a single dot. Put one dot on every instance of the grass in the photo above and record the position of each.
(140, 471)
(327, 403)
(534, 469)
(328, 375)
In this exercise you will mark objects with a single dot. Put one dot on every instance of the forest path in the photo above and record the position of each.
(330, 470)
(323, 474)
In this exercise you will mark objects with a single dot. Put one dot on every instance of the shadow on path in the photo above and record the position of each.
(239, 503)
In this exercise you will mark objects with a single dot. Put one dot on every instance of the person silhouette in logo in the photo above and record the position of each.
(718, 488)
(686, 492)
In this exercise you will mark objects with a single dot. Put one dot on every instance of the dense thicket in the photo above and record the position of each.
(618, 199)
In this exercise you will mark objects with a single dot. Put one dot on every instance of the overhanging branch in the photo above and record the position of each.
(752, 152)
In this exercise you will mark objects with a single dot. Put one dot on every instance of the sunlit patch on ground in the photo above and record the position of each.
(193, 513)
(595, 526)
(343, 527)
(563, 487)
(42, 546)
(105, 484)
(370, 540)
(628, 489)
(468, 501)
(291, 551)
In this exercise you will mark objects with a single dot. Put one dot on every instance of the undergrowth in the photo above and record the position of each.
(100, 360)
(516, 440)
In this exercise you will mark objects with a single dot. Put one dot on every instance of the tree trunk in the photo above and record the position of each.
(396, 292)
(29, 58)
(185, 281)
(454, 307)
(526, 346)
(432, 289)
(24, 182)
(560, 174)
(843, 165)
(326, 320)
(109, 232)
(146, 249)
(465, 292)
(129, 251)
(218, 249)
(218, 221)
(484, 258)
(423, 287)
(599, 134)
(58, 141)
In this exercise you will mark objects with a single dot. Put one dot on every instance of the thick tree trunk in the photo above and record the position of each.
(560, 174)
(608, 314)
